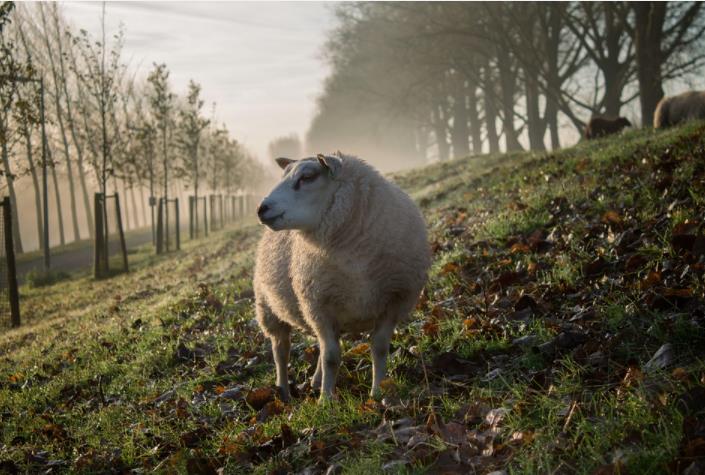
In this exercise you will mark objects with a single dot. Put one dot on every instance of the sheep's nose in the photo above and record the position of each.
(262, 208)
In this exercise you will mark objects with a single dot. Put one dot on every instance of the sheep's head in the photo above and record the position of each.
(303, 195)
(624, 122)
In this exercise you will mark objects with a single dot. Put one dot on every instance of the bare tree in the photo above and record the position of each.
(670, 41)
(161, 101)
(287, 146)
(58, 95)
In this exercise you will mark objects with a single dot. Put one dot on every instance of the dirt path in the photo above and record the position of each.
(81, 258)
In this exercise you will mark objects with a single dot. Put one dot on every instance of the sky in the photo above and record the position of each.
(261, 62)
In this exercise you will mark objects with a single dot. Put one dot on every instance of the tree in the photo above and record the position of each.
(191, 126)
(670, 41)
(99, 75)
(58, 95)
(161, 101)
(62, 38)
(12, 71)
(603, 31)
(287, 146)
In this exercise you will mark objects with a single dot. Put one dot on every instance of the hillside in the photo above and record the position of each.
(561, 332)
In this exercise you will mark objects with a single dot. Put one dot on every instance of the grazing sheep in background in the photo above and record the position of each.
(344, 250)
(601, 126)
(673, 110)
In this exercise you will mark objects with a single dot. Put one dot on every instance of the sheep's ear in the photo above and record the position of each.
(284, 162)
(332, 164)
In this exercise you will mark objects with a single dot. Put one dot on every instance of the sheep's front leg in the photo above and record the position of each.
(381, 336)
(329, 361)
(281, 345)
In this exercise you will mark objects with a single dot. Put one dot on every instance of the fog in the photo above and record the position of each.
(399, 85)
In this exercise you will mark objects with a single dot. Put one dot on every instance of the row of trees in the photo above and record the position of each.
(460, 78)
(107, 130)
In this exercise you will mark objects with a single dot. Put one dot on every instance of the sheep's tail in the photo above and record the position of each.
(661, 113)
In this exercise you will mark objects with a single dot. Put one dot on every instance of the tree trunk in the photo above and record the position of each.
(125, 205)
(459, 133)
(439, 130)
(133, 202)
(613, 92)
(507, 81)
(84, 113)
(490, 110)
(62, 130)
(552, 120)
(422, 142)
(650, 17)
(144, 206)
(537, 126)
(57, 194)
(474, 119)
(16, 235)
(35, 183)
(72, 127)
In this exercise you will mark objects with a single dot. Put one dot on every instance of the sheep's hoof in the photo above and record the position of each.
(325, 399)
(284, 395)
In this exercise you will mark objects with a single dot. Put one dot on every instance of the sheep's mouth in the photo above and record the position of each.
(271, 220)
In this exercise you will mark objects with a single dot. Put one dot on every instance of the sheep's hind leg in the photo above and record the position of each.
(317, 375)
(381, 336)
(281, 345)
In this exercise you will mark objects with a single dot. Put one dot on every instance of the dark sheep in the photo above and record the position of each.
(674, 110)
(601, 126)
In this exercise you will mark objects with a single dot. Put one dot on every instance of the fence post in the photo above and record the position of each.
(123, 246)
(11, 269)
(178, 227)
(99, 229)
(160, 230)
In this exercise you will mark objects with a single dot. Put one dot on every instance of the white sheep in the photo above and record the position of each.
(344, 250)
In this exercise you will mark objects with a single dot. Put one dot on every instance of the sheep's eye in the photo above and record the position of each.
(305, 179)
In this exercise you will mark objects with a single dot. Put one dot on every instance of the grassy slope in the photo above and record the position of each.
(589, 254)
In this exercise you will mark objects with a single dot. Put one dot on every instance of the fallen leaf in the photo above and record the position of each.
(258, 398)
(611, 217)
(359, 350)
(449, 268)
(519, 248)
(430, 328)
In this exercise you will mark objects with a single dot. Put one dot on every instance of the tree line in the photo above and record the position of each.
(107, 129)
(451, 79)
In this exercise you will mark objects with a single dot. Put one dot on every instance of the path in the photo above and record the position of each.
(82, 257)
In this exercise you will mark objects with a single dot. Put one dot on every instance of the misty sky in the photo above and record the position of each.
(259, 61)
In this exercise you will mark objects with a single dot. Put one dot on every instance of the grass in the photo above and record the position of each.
(556, 277)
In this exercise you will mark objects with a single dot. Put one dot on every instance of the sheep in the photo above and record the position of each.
(602, 126)
(673, 110)
(344, 250)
